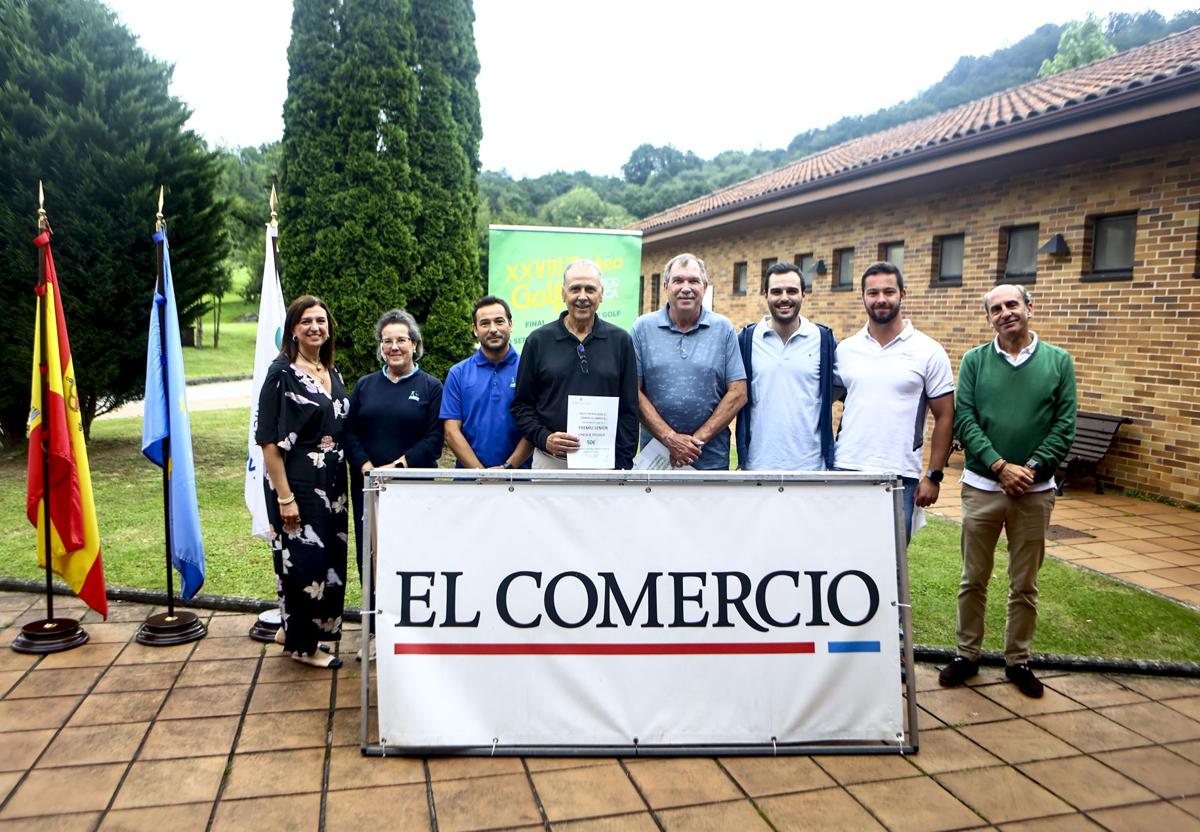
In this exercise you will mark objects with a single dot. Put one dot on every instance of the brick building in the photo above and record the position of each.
(1085, 187)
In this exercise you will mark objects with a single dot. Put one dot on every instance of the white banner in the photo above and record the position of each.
(598, 613)
(266, 349)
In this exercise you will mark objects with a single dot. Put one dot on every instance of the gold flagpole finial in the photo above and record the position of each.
(43, 223)
(158, 218)
(274, 207)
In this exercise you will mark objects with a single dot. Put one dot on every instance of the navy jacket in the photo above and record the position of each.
(825, 382)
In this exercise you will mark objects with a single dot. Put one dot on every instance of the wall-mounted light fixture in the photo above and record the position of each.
(821, 268)
(1056, 245)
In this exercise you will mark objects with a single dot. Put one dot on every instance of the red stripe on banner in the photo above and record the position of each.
(709, 648)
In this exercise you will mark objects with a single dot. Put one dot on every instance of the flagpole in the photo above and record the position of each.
(163, 630)
(49, 635)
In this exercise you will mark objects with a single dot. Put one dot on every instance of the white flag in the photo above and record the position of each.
(266, 348)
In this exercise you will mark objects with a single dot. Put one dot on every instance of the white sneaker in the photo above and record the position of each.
(370, 650)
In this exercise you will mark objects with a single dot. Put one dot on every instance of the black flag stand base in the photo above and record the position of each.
(50, 635)
(266, 626)
(165, 628)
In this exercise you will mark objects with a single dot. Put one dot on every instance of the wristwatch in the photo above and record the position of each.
(1033, 465)
(506, 464)
(936, 476)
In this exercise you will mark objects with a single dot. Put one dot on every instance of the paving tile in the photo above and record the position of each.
(168, 782)
(1009, 697)
(1163, 687)
(1189, 706)
(714, 817)
(125, 612)
(108, 708)
(962, 706)
(27, 714)
(832, 810)
(682, 781)
(8, 782)
(1057, 823)
(1191, 805)
(292, 696)
(457, 768)
(348, 769)
(1018, 741)
(846, 769)
(485, 803)
(584, 792)
(40, 683)
(228, 626)
(185, 703)
(1177, 558)
(19, 749)
(640, 822)
(1102, 550)
(9, 679)
(1154, 720)
(284, 729)
(911, 805)
(227, 648)
(297, 812)
(1187, 594)
(1002, 794)
(78, 822)
(222, 672)
(86, 655)
(277, 668)
(1145, 579)
(1188, 750)
(347, 728)
(1093, 690)
(926, 677)
(187, 817)
(1158, 769)
(276, 772)
(1157, 816)
(135, 653)
(1085, 783)
(761, 776)
(948, 750)
(76, 789)
(90, 744)
(392, 807)
(1089, 731)
(556, 763)
(110, 632)
(138, 677)
(179, 738)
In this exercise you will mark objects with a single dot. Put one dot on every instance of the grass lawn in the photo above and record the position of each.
(1081, 613)
(235, 355)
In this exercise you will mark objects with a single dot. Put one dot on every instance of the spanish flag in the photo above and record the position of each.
(74, 536)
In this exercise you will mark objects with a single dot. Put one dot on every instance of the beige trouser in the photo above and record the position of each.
(1025, 519)
(541, 459)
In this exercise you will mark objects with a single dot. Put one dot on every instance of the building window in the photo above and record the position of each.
(656, 280)
(893, 253)
(641, 293)
(767, 263)
(1020, 253)
(948, 259)
(1112, 246)
(843, 268)
(740, 278)
(807, 264)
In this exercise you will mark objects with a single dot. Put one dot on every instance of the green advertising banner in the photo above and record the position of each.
(525, 267)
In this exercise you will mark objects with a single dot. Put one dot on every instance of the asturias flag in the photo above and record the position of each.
(74, 535)
(266, 349)
(166, 417)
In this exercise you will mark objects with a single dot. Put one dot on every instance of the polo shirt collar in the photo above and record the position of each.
(1024, 350)
(664, 321)
(807, 328)
(598, 328)
(481, 360)
(904, 335)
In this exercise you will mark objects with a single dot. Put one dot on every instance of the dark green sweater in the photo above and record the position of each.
(1015, 413)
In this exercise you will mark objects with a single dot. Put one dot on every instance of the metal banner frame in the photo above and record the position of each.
(379, 479)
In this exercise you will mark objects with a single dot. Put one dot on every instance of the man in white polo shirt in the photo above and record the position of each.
(892, 375)
(787, 422)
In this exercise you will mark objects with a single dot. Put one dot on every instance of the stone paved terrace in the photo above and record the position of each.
(227, 734)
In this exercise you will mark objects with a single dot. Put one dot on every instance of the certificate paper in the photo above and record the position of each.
(594, 420)
(656, 457)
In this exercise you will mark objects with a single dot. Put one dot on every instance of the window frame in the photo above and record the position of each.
(1094, 224)
(767, 262)
(937, 280)
(837, 284)
(885, 256)
(1003, 275)
(656, 292)
(744, 278)
(808, 277)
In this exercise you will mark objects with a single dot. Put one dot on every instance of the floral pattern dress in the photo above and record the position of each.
(306, 423)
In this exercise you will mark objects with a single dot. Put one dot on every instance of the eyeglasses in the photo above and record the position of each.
(395, 342)
(583, 364)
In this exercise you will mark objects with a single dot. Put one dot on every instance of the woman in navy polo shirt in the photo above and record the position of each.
(393, 418)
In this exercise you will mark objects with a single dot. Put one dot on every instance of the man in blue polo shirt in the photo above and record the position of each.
(479, 428)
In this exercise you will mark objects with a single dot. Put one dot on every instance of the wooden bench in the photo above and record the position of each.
(1094, 435)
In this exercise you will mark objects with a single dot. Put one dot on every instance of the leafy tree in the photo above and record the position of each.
(1081, 43)
(1125, 30)
(86, 110)
(247, 174)
(581, 207)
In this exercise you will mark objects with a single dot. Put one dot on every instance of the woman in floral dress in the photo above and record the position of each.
(301, 414)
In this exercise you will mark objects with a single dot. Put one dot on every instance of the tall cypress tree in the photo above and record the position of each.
(83, 108)
(445, 172)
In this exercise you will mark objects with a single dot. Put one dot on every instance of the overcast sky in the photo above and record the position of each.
(574, 85)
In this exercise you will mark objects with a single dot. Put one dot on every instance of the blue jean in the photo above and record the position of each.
(910, 497)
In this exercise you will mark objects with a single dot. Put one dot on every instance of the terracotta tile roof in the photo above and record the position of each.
(1154, 63)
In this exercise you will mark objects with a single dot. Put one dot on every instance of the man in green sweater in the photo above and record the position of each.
(1016, 421)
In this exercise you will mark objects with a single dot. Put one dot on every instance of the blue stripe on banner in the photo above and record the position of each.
(854, 647)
